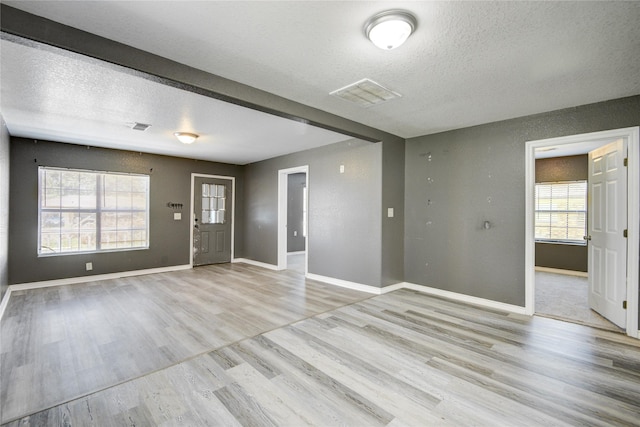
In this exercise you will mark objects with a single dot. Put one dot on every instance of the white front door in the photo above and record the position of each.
(607, 220)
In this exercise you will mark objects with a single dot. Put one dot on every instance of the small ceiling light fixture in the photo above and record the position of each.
(186, 137)
(391, 28)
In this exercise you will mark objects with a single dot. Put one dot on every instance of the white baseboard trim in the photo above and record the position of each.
(83, 279)
(468, 299)
(345, 284)
(561, 271)
(256, 263)
(96, 277)
(5, 302)
(295, 253)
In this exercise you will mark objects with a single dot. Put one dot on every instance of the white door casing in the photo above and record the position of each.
(607, 220)
(632, 136)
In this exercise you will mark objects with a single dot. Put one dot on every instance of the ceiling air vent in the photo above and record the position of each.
(140, 126)
(366, 93)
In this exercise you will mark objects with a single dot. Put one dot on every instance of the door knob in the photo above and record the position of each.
(586, 237)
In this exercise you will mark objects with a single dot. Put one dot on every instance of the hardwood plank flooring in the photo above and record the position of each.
(399, 359)
(60, 343)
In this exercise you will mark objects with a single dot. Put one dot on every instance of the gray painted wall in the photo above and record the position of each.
(387, 234)
(457, 180)
(170, 181)
(393, 197)
(295, 196)
(555, 255)
(4, 207)
(344, 236)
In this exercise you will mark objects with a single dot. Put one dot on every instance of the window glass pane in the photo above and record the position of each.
(52, 179)
(138, 201)
(87, 221)
(108, 240)
(109, 221)
(561, 211)
(69, 241)
(70, 180)
(110, 182)
(139, 184)
(123, 183)
(124, 239)
(50, 243)
(110, 200)
(70, 221)
(139, 220)
(124, 200)
(88, 241)
(91, 211)
(50, 222)
(88, 182)
(70, 198)
(52, 198)
(124, 220)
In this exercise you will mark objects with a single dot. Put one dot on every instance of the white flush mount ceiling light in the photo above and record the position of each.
(186, 137)
(389, 29)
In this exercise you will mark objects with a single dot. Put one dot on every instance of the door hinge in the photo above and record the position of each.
(626, 161)
(624, 305)
(625, 233)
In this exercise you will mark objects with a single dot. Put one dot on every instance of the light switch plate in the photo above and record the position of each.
(177, 216)
(341, 168)
(390, 212)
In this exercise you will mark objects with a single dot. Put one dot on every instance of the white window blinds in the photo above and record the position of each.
(561, 211)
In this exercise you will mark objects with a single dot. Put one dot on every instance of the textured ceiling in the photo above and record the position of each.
(61, 96)
(468, 62)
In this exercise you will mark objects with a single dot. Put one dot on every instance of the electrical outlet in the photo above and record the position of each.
(89, 266)
(295, 233)
(341, 168)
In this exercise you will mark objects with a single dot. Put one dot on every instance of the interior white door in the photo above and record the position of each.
(607, 220)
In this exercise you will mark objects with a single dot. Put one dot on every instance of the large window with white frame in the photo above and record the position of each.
(561, 212)
(91, 211)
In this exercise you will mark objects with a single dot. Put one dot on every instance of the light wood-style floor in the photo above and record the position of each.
(399, 359)
(63, 342)
(296, 262)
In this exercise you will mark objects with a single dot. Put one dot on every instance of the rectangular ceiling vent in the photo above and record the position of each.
(140, 126)
(366, 93)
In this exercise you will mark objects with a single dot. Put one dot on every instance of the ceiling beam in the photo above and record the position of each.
(31, 27)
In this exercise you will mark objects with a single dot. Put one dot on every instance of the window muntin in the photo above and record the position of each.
(89, 211)
(214, 200)
(561, 212)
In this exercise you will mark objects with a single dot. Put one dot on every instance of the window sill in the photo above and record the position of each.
(47, 255)
(561, 242)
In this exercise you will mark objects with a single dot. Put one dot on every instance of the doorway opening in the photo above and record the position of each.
(561, 252)
(293, 242)
(581, 144)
